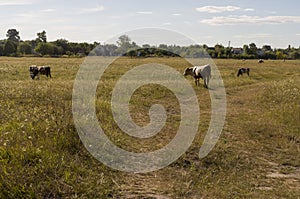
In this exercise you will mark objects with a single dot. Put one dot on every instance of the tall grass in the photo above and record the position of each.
(41, 155)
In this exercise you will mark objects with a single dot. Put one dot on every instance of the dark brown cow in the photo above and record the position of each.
(35, 71)
(243, 70)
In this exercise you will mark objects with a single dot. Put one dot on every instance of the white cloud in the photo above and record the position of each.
(217, 9)
(48, 10)
(92, 10)
(298, 34)
(248, 9)
(145, 12)
(244, 19)
(26, 15)
(176, 14)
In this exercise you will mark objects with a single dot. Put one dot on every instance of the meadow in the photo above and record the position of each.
(256, 156)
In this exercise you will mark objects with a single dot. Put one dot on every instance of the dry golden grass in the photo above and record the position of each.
(257, 155)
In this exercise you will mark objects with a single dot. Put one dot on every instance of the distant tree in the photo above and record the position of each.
(132, 53)
(57, 50)
(269, 55)
(41, 36)
(25, 48)
(267, 48)
(246, 49)
(10, 48)
(205, 46)
(45, 48)
(163, 46)
(252, 49)
(125, 45)
(146, 46)
(110, 50)
(64, 44)
(1, 50)
(211, 53)
(219, 51)
(228, 52)
(279, 55)
(13, 35)
(295, 55)
(123, 40)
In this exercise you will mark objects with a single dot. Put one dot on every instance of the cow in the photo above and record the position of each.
(198, 72)
(243, 70)
(35, 71)
(260, 61)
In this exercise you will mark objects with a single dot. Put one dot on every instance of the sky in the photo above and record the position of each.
(210, 22)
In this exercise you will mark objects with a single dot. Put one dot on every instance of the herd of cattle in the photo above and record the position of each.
(198, 72)
(204, 72)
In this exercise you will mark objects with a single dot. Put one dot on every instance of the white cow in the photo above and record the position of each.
(198, 72)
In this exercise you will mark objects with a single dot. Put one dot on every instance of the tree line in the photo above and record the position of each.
(40, 46)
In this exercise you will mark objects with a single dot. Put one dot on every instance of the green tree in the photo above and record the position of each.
(45, 48)
(57, 50)
(10, 48)
(146, 46)
(269, 55)
(246, 49)
(279, 55)
(13, 35)
(295, 54)
(163, 46)
(123, 40)
(219, 51)
(25, 48)
(1, 50)
(64, 44)
(125, 45)
(252, 49)
(228, 52)
(41, 36)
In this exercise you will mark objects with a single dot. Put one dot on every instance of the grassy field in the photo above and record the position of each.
(257, 155)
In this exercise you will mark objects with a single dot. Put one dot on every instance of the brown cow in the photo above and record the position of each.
(35, 71)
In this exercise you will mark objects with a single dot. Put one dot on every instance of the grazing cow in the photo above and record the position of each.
(260, 61)
(198, 72)
(35, 71)
(243, 70)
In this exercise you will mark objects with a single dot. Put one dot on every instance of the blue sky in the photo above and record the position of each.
(271, 22)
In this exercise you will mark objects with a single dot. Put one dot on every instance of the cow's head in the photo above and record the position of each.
(33, 71)
(188, 71)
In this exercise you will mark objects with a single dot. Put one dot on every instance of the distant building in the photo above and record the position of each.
(237, 51)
